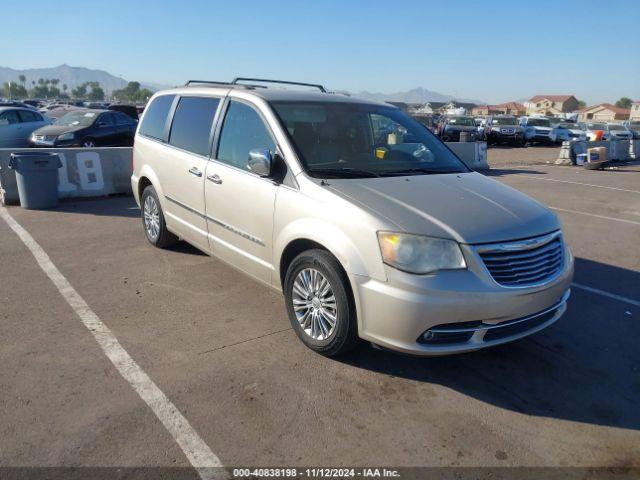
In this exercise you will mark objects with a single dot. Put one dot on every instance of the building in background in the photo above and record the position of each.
(603, 112)
(508, 108)
(634, 114)
(552, 105)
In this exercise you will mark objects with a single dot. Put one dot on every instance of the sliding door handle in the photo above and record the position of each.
(214, 178)
(195, 171)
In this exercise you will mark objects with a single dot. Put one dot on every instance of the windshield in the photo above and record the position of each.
(462, 121)
(596, 126)
(570, 126)
(81, 119)
(505, 121)
(616, 127)
(539, 122)
(346, 140)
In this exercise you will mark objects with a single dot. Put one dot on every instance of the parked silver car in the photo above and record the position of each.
(370, 226)
(17, 124)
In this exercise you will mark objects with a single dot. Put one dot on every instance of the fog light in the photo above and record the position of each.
(436, 337)
(428, 336)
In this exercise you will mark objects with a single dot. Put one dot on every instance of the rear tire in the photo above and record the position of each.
(155, 228)
(319, 303)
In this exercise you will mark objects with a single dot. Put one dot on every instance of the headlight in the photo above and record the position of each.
(419, 254)
(66, 136)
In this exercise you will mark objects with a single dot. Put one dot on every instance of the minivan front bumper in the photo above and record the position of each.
(455, 311)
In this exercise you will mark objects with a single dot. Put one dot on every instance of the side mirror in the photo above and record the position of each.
(260, 162)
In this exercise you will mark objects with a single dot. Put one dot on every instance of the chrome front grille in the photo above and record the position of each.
(525, 262)
(44, 138)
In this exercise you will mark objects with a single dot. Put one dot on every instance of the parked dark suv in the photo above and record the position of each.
(450, 128)
(87, 128)
(504, 129)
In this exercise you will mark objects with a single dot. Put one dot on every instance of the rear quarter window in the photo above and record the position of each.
(155, 118)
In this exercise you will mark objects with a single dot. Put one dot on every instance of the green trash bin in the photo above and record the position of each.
(37, 178)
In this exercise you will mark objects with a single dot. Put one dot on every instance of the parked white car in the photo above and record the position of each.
(611, 131)
(591, 128)
(536, 129)
(567, 132)
(619, 132)
(17, 124)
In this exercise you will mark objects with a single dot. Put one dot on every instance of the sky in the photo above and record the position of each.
(493, 51)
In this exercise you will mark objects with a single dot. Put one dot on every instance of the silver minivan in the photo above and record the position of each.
(366, 222)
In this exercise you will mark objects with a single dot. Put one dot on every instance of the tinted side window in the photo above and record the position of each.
(156, 116)
(106, 118)
(27, 116)
(242, 131)
(10, 116)
(191, 127)
(122, 119)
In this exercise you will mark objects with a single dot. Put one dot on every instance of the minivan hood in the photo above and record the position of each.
(467, 207)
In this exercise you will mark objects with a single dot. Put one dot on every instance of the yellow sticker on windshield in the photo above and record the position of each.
(381, 152)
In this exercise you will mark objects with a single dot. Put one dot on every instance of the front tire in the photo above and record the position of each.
(155, 228)
(319, 303)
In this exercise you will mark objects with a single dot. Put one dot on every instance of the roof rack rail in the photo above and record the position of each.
(221, 84)
(211, 82)
(281, 82)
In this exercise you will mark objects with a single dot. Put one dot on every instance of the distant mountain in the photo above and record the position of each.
(416, 95)
(72, 76)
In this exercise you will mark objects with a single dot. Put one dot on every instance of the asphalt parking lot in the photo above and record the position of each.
(220, 347)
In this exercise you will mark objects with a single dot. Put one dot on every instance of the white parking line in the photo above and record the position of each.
(196, 450)
(632, 222)
(620, 298)
(580, 183)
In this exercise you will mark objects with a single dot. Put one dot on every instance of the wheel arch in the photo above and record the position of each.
(147, 177)
(306, 234)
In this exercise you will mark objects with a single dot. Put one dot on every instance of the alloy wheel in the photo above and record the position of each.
(151, 217)
(314, 304)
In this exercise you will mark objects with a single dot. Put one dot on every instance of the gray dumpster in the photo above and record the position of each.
(467, 137)
(36, 178)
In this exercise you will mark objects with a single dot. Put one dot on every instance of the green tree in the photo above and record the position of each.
(23, 80)
(96, 94)
(582, 104)
(144, 95)
(80, 91)
(132, 93)
(13, 90)
(40, 91)
(624, 102)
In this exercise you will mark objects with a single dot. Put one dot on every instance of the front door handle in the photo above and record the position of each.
(214, 178)
(195, 171)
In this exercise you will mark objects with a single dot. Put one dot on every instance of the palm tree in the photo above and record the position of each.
(23, 80)
(64, 87)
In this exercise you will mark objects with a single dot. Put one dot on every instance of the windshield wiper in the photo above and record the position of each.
(353, 172)
(425, 171)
